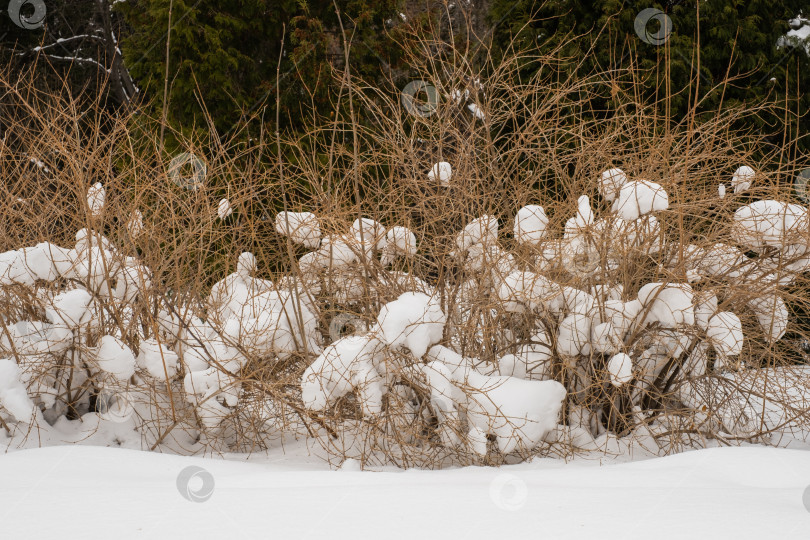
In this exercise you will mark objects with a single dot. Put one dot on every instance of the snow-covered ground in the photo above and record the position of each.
(95, 492)
(82, 392)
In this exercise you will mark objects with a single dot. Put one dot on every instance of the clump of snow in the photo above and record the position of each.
(770, 223)
(459, 96)
(246, 265)
(13, 270)
(196, 358)
(458, 365)
(583, 218)
(87, 239)
(301, 227)
(605, 338)
(640, 197)
(622, 314)
(530, 225)
(610, 183)
(441, 172)
(518, 413)
(483, 230)
(114, 357)
(725, 333)
(705, 308)
(132, 280)
(399, 241)
(620, 368)
(212, 391)
(369, 231)
(37, 263)
(477, 111)
(277, 322)
(670, 304)
(337, 252)
(414, 320)
(531, 361)
(224, 209)
(344, 366)
(13, 396)
(70, 308)
(95, 198)
(574, 335)
(527, 289)
(797, 36)
(154, 357)
(772, 315)
(445, 398)
(230, 297)
(742, 179)
(34, 338)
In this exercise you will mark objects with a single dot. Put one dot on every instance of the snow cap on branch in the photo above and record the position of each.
(301, 227)
(442, 172)
(530, 225)
(414, 320)
(640, 197)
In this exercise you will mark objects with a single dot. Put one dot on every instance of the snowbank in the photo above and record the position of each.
(742, 493)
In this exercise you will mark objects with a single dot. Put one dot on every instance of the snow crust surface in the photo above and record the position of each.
(91, 492)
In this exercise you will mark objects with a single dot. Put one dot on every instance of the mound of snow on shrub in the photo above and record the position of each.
(414, 320)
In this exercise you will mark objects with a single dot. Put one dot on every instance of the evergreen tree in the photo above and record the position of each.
(223, 54)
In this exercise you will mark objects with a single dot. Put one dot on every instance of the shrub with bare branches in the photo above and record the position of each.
(483, 275)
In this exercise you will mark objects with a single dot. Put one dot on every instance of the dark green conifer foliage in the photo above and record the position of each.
(223, 54)
(737, 38)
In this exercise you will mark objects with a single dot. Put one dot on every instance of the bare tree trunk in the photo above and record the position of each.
(122, 84)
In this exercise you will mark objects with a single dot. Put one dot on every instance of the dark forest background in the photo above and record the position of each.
(210, 65)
